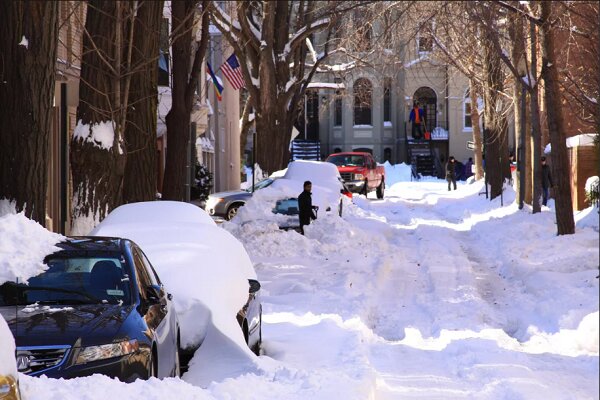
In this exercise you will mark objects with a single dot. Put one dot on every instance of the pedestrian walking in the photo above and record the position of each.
(469, 168)
(451, 172)
(306, 210)
(546, 181)
(417, 117)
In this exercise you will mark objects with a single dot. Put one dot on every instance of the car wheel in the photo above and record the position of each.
(365, 189)
(380, 190)
(232, 211)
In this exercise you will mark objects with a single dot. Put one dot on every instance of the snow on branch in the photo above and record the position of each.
(303, 33)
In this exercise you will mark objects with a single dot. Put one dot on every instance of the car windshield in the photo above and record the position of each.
(260, 185)
(81, 280)
(286, 207)
(347, 160)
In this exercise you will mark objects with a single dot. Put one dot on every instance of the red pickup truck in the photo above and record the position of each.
(360, 172)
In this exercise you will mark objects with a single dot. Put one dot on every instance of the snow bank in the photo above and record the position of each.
(8, 365)
(396, 173)
(24, 244)
(204, 267)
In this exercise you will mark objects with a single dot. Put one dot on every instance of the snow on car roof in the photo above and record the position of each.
(159, 211)
(203, 266)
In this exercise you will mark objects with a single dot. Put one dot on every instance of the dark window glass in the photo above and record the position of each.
(76, 280)
(363, 91)
(347, 160)
(387, 99)
(337, 120)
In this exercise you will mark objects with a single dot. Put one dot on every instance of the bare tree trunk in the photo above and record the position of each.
(560, 162)
(528, 152)
(245, 128)
(185, 80)
(536, 127)
(29, 32)
(97, 153)
(494, 131)
(478, 144)
(518, 54)
(140, 130)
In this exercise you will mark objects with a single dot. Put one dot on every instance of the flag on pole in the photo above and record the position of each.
(215, 79)
(232, 71)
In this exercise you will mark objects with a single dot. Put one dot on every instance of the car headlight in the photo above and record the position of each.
(8, 388)
(118, 349)
(359, 177)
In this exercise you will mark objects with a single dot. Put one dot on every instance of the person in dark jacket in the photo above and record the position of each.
(546, 181)
(451, 172)
(305, 208)
(417, 117)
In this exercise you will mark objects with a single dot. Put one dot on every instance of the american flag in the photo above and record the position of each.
(232, 71)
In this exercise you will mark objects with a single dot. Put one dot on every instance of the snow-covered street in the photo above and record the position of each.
(426, 294)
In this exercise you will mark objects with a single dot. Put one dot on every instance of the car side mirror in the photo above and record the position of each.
(254, 285)
(153, 293)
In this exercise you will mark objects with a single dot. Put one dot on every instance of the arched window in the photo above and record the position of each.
(467, 123)
(363, 93)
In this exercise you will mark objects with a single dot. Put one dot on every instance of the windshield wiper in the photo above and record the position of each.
(55, 289)
(64, 301)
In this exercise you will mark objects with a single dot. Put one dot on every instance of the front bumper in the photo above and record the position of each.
(126, 368)
(355, 186)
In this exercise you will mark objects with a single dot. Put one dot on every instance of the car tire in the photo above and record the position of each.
(365, 190)
(232, 211)
(381, 190)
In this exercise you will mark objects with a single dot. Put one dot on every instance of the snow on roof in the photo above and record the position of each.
(196, 261)
(326, 85)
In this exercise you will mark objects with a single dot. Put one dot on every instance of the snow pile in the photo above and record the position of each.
(101, 135)
(396, 173)
(8, 365)
(23, 245)
(260, 175)
(204, 267)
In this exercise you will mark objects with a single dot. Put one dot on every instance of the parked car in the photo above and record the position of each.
(9, 378)
(226, 204)
(100, 308)
(187, 246)
(360, 172)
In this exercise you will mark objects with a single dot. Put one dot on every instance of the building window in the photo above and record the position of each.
(387, 154)
(363, 93)
(387, 99)
(337, 109)
(467, 123)
(425, 37)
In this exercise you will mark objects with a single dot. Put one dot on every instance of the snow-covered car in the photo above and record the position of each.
(226, 204)
(210, 274)
(328, 187)
(9, 386)
(99, 307)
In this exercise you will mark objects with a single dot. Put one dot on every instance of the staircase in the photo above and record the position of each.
(421, 157)
(306, 150)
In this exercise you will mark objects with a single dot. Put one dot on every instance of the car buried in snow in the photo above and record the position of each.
(99, 307)
(198, 259)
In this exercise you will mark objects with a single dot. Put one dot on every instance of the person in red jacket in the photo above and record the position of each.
(417, 117)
